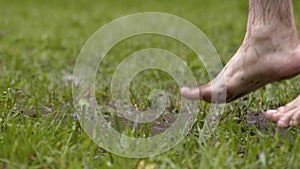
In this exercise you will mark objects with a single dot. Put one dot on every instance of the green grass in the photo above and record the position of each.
(39, 45)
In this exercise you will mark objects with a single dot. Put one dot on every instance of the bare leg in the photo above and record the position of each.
(270, 52)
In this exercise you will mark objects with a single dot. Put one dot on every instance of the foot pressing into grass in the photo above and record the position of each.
(270, 52)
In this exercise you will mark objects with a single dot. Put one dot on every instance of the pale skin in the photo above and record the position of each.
(270, 52)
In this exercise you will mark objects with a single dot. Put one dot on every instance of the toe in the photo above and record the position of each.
(285, 119)
(273, 115)
(295, 121)
(202, 92)
(270, 113)
(190, 93)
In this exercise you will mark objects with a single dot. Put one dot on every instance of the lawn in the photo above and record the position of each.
(39, 44)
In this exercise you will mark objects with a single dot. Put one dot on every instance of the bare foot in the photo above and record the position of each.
(270, 52)
(285, 116)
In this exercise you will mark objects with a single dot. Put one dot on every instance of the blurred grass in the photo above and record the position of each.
(39, 44)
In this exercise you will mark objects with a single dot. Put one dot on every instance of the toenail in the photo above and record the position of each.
(269, 114)
(184, 89)
(272, 111)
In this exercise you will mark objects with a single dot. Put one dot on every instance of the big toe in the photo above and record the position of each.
(270, 114)
(190, 93)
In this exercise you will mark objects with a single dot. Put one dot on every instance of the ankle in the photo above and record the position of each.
(277, 36)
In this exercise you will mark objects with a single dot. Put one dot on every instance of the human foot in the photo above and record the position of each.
(270, 52)
(285, 116)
